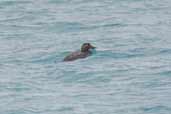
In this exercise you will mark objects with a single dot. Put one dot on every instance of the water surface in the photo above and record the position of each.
(129, 74)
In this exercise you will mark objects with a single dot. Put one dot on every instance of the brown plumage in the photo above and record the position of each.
(83, 53)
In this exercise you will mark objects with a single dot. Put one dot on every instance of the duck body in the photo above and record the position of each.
(77, 55)
(83, 53)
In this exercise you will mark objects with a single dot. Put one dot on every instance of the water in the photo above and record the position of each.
(130, 73)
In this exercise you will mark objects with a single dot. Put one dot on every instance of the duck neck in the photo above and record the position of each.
(83, 50)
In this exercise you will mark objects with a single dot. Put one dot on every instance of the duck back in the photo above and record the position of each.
(76, 55)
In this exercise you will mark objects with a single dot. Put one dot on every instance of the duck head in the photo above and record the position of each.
(86, 47)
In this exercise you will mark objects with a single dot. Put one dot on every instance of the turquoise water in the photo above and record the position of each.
(130, 73)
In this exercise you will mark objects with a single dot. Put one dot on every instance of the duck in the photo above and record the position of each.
(84, 52)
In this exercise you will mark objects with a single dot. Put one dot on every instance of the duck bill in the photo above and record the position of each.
(93, 47)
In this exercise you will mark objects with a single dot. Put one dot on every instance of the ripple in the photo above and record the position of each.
(117, 55)
(13, 2)
(165, 51)
(156, 109)
(128, 73)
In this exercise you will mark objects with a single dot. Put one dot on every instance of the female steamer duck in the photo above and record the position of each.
(83, 53)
